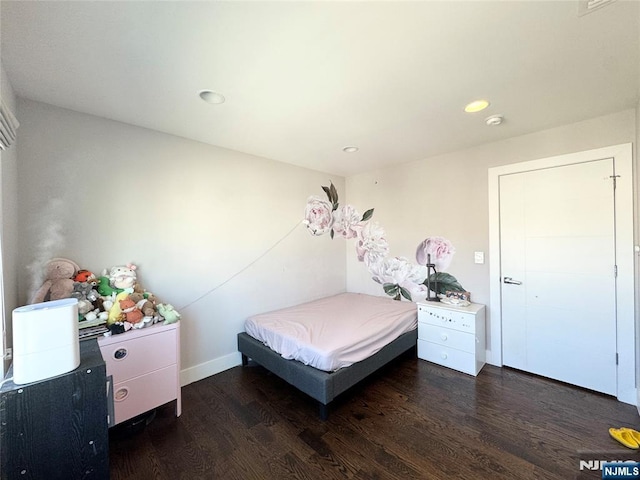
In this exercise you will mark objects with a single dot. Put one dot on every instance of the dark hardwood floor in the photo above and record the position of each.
(411, 420)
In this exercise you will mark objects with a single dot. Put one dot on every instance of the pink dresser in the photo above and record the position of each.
(145, 366)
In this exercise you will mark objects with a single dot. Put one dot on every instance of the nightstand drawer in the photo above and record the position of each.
(447, 337)
(455, 319)
(449, 357)
(128, 357)
(138, 395)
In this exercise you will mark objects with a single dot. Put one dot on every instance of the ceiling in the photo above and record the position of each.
(302, 80)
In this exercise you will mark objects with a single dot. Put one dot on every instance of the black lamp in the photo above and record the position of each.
(432, 286)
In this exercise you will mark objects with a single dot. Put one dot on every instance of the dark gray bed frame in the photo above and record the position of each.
(318, 384)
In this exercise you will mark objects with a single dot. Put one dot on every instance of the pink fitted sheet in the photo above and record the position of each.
(334, 332)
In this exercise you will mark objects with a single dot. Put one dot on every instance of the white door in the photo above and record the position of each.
(557, 250)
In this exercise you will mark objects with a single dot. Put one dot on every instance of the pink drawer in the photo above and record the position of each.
(134, 357)
(138, 395)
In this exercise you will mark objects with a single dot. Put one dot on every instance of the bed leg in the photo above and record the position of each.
(324, 411)
(245, 360)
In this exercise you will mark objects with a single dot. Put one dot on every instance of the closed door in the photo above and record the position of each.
(557, 248)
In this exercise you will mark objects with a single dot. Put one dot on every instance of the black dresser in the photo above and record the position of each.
(57, 428)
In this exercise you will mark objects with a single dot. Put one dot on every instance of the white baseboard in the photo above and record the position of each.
(204, 370)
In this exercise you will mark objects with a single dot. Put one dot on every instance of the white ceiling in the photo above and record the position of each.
(304, 79)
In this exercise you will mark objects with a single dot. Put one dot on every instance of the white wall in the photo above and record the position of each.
(190, 215)
(8, 212)
(447, 196)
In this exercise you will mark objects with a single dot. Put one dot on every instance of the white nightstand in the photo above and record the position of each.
(145, 366)
(452, 336)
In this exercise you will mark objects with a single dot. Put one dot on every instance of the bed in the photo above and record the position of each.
(326, 346)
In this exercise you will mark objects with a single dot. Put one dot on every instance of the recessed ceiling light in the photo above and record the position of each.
(350, 149)
(476, 106)
(494, 120)
(210, 96)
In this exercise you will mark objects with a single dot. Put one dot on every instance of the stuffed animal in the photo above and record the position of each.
(119, 327)
(104, 287)
(144, 304)
(85, 276)
(59, 273)
(84, 307)
(87, 297)
(123, 276)
(114, 310)
(105, 303)
(168, 313)
(130, 312)
(83, 291)
(146, 321)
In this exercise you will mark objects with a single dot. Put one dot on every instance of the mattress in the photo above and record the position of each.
(334, 332)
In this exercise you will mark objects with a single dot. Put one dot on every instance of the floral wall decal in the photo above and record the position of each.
(439, 248)
(439, 252)
(318, 216)
(398, 277)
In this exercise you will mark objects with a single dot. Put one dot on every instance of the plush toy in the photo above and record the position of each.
(59, 273)
(130, 312)
(168, 313)
(115, 311)
(123, 277)
(85, 276)
(145, 322)
(84, 291)
(87, 297)
(105, 303)
(84, 307)
(119, 327)
(144, 304)
(104, 287)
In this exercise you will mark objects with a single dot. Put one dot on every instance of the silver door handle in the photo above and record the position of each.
(511, 281)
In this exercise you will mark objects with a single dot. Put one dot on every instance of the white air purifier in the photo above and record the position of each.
(45, 340)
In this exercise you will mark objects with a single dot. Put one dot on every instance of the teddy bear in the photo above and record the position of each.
(59, 273)
(143, 303)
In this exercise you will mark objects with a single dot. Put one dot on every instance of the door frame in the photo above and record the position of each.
(625, 285)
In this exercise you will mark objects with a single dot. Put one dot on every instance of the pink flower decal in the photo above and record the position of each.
(439, 248)
(346, 221)
(399, 277)
(397, 271)
(371, 244)
(318, 216)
